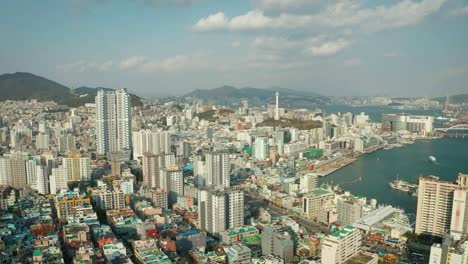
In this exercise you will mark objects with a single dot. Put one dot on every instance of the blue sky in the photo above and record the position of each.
(169, 47)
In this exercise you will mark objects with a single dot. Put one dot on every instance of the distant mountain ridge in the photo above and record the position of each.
(27, 86)
(230, 95)
(24, 86)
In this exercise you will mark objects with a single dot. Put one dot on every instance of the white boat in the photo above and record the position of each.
(432, 159)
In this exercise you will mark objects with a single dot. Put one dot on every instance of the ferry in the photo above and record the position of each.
(432, 159)
(404, 186)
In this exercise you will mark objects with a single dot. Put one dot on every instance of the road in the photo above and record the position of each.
(310, 226)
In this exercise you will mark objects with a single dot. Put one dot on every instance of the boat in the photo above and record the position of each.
(432, 159)
(403, 186)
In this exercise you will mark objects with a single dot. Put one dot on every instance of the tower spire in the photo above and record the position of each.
(277, 106)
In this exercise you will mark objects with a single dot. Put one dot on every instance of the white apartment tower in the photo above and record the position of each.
(217, 168)
(220, 209)
(172, 181)
(435, 201)
(77, 168)
(150, 141)
(261, 148)
(113, 121)
(42, 179)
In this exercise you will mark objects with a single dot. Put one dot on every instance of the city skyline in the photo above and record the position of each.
(159, 48)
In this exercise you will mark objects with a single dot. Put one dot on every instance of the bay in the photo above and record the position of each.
(409, 162)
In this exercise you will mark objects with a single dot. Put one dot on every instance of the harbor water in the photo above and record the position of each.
(409, 163)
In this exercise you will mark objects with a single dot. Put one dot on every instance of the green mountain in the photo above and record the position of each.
(27, 86)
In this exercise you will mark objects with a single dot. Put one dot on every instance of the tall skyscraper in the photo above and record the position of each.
(13, 171)
(42, 179)
(220, 209)
(217, 169)
(113, 121)
(435, 201)
(277, 106)
(31, 172)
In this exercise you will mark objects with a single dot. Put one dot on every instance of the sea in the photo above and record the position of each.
(409, 162)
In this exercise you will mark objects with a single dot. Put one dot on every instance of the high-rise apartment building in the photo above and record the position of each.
(220, 209)
(435, 202)
(340, 246)
(13, 171)
(261, 148)
(217, 168)
(110, 199)
(152, 165)
(113, 121)
(150, 141)
(58, 180)
(42, 179)
(77, 168)
(172, 181)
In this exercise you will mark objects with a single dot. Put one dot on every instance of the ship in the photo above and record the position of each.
(432, 159)
(404, 186)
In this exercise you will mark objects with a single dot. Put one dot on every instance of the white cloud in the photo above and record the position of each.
(328, 48)
(83, 66)
(170, 64)
(341, 14)
(213, 22)
(463, 11)
(106, 66)
(132, 62)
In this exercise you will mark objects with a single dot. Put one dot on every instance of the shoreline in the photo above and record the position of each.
(322, 173)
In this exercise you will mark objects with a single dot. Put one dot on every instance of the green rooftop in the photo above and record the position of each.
(320, 192)
(344, 232)
(242, 231)
(252, 240)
